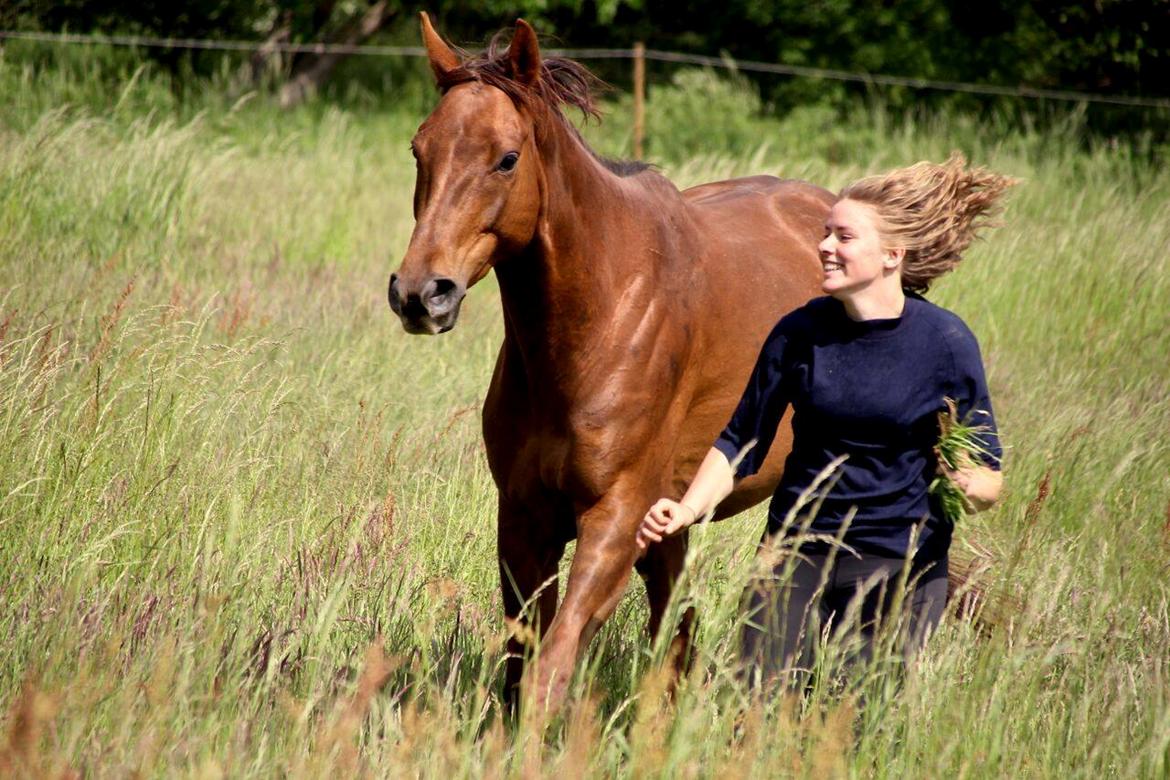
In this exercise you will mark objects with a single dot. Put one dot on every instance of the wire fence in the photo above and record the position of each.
(727, 63)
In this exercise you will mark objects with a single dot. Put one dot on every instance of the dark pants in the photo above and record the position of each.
(857, 602)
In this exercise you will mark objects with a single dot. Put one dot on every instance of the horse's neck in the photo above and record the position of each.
(590, 272)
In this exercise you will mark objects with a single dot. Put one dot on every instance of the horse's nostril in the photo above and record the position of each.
(441, 288)
(392, 294)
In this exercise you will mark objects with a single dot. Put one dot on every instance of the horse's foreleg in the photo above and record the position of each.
(598, 577)
(660, 570)
(528, 558)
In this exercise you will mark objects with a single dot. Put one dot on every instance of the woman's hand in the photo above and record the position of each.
(980, 485)
(712, 484)
(665, 518)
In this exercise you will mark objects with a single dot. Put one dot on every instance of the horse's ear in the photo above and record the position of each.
(524, 54)
(443, 59)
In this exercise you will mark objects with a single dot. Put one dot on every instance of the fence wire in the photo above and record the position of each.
(725, 63)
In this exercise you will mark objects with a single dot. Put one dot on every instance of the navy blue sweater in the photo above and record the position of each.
(870, 391)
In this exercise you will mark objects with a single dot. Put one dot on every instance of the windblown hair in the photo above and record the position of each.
(932, 210)
(562, 82)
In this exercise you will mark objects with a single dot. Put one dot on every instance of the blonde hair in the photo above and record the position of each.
(932, 210)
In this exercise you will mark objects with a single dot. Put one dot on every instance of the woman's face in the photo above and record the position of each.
(852, 255)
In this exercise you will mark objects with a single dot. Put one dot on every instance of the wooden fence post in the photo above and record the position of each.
(639, 97)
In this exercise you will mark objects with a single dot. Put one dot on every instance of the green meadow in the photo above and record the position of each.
(246, 523)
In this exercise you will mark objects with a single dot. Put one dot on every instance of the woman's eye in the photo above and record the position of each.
(508, 162)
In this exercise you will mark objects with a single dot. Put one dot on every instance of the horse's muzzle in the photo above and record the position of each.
(430, 309)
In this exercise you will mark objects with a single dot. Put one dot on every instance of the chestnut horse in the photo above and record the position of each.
(633, 314)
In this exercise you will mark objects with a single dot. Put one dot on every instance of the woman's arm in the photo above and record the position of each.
(745, 439)
(980, 483)
(711, 484)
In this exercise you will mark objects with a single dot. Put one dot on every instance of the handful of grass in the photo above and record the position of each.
(958, 445)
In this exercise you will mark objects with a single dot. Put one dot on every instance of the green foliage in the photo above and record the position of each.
(1113, 46)
(732, 126)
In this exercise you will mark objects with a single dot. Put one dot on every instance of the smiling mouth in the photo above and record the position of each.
(830, 267)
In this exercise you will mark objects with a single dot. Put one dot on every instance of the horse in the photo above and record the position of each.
(632, 313)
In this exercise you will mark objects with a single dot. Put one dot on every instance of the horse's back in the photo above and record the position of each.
(761, 233)
(762, 199)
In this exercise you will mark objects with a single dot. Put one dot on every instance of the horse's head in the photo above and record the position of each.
(477, 191)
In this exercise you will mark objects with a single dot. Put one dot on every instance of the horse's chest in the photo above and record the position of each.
(577, 456)
(575, 434)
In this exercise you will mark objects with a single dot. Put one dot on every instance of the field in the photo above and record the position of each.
(246, 525)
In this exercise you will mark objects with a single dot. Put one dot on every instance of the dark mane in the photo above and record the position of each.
(622, 168)
(562, 82)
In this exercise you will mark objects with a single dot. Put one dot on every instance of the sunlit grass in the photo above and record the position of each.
(246, 524)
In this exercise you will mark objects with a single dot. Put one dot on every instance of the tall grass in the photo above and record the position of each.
(246, 525)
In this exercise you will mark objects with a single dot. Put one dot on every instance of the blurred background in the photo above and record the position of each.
(1109, 47)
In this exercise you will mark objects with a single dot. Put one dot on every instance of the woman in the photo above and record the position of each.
(866, 370)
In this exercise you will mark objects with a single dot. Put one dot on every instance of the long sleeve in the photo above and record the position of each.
(971, 396)
(752, 427)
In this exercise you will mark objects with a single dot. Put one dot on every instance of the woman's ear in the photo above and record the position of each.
(894, 258)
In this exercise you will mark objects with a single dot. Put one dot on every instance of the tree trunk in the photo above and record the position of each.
(251, 74)
(309, 78)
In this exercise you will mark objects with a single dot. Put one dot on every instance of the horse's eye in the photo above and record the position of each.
(508, 162)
